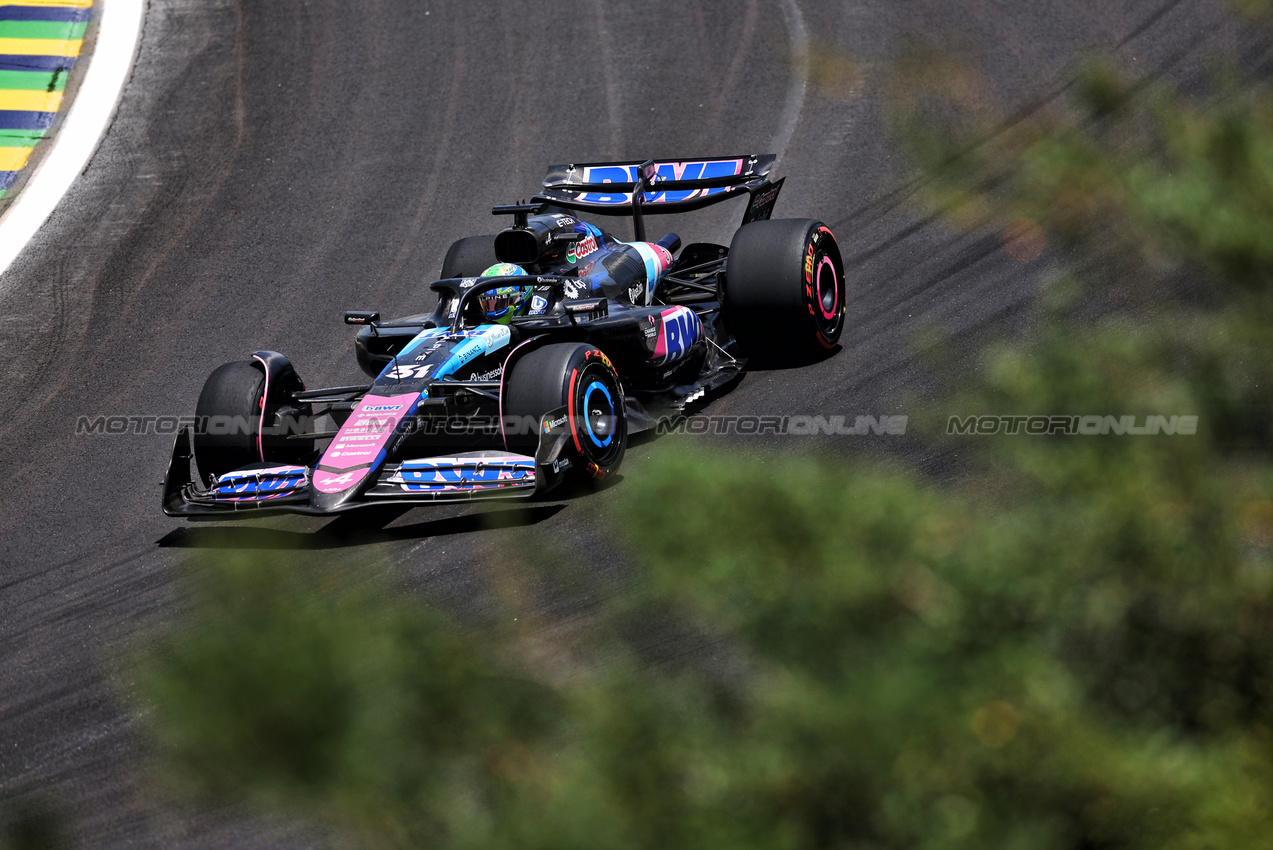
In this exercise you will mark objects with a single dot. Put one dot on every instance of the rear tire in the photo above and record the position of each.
(784, 293)
(580, 378)
(229, 435)
(469, 257)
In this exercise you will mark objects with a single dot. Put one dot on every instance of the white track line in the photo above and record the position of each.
(86, 121)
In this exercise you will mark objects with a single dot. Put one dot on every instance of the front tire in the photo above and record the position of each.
(580, 378)
(784, 293)
(229, 416)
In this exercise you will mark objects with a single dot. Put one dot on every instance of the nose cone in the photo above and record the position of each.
(358, 449)
(333, 491)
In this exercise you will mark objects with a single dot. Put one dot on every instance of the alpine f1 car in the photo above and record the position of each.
(551, 342)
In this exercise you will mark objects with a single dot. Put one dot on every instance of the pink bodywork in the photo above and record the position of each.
(360, 441)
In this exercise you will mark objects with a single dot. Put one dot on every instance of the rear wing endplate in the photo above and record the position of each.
(609, 188)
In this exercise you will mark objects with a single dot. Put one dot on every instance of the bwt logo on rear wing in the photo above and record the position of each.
(680, 186)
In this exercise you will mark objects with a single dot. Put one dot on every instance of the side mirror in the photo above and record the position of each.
(649, 172)
(363, 317)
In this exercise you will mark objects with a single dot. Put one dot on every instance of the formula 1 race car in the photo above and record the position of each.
(550, 344)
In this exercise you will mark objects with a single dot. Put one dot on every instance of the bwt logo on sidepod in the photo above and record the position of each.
(678, 332)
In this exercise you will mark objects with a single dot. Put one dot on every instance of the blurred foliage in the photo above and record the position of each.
(1069, 647)
(1126, 172)
(336, 700)
(30, 822)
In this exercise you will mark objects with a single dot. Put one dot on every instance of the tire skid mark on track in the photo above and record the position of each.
(525, 119)
(799, 38)
(121, 318)
(903, 195)
(67, 353)
(614, 107)
(1150, 22)
(346, 164)
(434, 143)
(736, 64)
(425, 209)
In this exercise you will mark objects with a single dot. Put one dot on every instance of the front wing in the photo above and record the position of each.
(266, 488)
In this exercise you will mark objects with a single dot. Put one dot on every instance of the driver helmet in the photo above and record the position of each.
(501, 305)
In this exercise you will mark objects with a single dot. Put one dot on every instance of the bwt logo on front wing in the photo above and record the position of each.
(450, 474)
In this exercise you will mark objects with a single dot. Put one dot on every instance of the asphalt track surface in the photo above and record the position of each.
(273, 164)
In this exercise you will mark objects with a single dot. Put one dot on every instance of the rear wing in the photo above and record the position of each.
(624, 188)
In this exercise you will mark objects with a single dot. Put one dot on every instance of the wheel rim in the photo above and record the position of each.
(598, 413)
(828, 289)
(597, 420)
